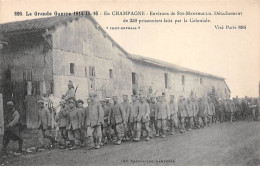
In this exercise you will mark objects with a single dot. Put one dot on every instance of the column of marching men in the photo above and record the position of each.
(109, 121)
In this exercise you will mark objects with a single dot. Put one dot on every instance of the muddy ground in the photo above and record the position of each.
(223, 144)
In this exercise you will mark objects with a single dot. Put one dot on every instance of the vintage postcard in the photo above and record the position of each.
(130, 83)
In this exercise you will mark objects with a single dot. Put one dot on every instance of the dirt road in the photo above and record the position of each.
(223, 144)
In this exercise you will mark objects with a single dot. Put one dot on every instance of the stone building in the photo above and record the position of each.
(38, 57)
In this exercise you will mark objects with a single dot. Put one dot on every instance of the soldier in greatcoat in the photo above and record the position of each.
(71, 91)
(190, 113)
(44, 124)
(203, 111)
(173, 114)
(94, 120)
(196, 117)
(106, 125)
(162, 114)
(62, 119)
(118, 119)
(74, 125)
(211, 112)
(152, 105)
(134, 112)
(126, 106)
(182, 112)
(12, 128)
(143, 118)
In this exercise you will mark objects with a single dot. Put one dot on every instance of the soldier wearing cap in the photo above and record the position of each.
(162, 114)
(82, 133)
(183, 113)
(71, 91)
(74, 125)
(94, 120)
(126, 106)
(196, 117)
(12, 128)
(44, 124)
(118, 119)
(190, 112)
(106, 125)
(203, 111)
(173, 114)
(62, 119)
(211, 112)
(143, 119)
(153, 105)
(134, 111)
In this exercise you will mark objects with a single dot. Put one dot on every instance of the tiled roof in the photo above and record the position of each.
(171, 66)
(35, 24)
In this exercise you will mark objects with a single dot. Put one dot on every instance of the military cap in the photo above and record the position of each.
(10, 103)
(125, 96)
(72, 100)
(92, 94)
(115, 97)
(70, 83)
(80, 101)
(41, 101)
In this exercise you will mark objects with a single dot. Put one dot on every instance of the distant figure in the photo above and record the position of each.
(71, 91)
(12, 129)
(162, 114)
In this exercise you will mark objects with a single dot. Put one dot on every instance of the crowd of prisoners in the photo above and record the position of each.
(109, 121)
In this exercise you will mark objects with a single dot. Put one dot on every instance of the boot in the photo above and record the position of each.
(98, 143)
(90, 143)
(20, 144)
(73, 146)
(163, 133)
(118, 142)
(138, 134)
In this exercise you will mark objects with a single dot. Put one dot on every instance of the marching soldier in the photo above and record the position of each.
(183, 113)
(173, 114)
(74, 124)
(196, 117)
(12, 129)
(211, 111)
(190, 112)
(94, 120)
(143, 118)
(152, 114)
(62, 119)
(71, 91)
(126, 107)
(106, 126)
(161, 115)
(44, 124)
(134, 112)
(203, 111)
(118, 119)
(82, 133)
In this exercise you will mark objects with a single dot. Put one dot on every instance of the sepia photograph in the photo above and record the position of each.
(130, 83)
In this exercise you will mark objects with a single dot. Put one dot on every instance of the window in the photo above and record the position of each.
(166, 80)
(183, 79)
(134, 78)
(110, 73)
(72, 67)
(201, 80)
(86, 72)
(92, 71)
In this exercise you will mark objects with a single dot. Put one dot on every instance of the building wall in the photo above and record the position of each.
(83, 43)
(87, 46)
(154, 76)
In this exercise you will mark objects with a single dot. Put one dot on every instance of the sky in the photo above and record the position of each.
(230, 53)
